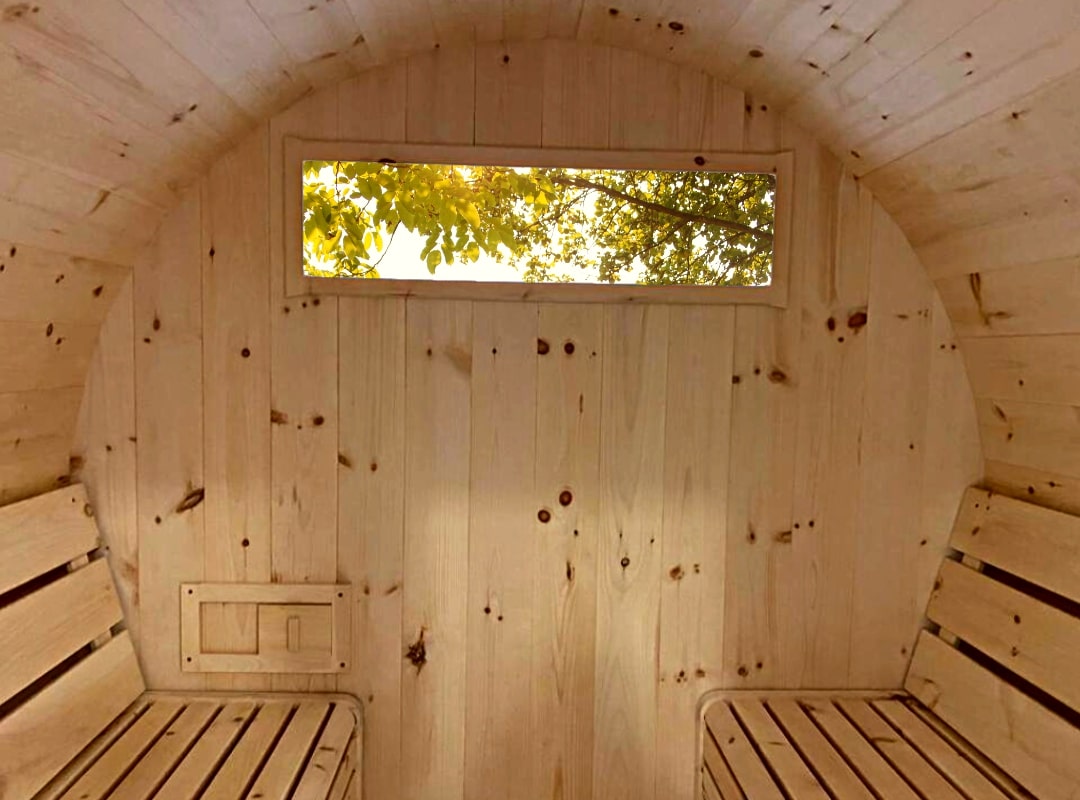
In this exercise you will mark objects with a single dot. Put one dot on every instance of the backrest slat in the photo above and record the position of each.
(43, 533)
(39, 737)
(1037, 544)
(39, 631)
(1038, 642)
(1002, 670)
(1033, 744)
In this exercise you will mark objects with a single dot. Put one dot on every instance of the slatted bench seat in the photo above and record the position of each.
(990, 707)
(76, 721)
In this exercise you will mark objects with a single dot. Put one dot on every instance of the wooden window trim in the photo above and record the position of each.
(290, 215)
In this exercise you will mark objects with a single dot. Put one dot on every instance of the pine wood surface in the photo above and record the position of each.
(732, 479)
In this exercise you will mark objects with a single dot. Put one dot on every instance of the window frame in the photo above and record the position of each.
(297, 283)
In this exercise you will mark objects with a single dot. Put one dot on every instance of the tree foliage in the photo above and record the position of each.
(655, 227)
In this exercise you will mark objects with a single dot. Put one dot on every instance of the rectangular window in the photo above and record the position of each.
(541, 224)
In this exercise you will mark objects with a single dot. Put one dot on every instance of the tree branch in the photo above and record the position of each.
(703, 219)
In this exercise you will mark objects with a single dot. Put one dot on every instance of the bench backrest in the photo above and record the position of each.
(63, 675)
(1004, 668)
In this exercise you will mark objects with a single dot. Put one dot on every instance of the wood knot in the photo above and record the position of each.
(18, 11)
(542, 347)
(417, 653)
(777, 375)
(625, 562)
(857, 320)
(699, 160)
(565, 497)
(544, 515)
(676, 573)
(756, 53)
(568, 348)
(192, 499)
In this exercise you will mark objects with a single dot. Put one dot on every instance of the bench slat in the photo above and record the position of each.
(279, 776)
(42, 629)
(41, 736)
(1034, 745)
(109, 769)
(43, 533)
(203, 760)
(1035, 543)
(740, 755)
(1029, 637)
(938, 752)
(155, 766)
(75, 769)
(717, 771)
(817, 750)
(329, 752)
(796, 778)
(904, 758)
(346, 772)
(866, 760)
(248, 755)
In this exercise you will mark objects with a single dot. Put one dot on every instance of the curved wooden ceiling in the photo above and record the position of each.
(960, 116)
(111, 106)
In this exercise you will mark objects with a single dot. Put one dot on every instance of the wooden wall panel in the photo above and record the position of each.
(103, 452)
(236, 394)
(564, 616)
(754, 471)
(438, 364)
(886, 610)
(629, 546)
(371, 511)
(501, 563)
(170, 485)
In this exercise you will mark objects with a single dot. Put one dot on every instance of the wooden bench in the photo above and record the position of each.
(991, 702)
(76, 721)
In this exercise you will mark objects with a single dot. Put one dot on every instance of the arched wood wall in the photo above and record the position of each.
(994, 217)
(760, 497)
(51, 307)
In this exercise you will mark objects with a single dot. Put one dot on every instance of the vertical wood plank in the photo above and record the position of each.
(696, 444)
(656, 104)
(886, 617)
(236, 374)
(438, 363)
(169, 424)
(509, 85)
(105, 448)
(441, 96)
(951, 452)
(371, 502)
(564, 615)
(765, 374)
(372, 105)
(629, 549)
(303, 405)
(832, 238)
(576, 96)
(502, 547)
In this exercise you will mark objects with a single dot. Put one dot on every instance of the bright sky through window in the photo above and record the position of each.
(521, 224)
